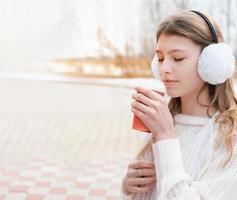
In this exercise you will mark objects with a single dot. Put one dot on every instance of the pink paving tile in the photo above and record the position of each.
(39, 159)
(112, 198)
(52, 163)
(112, 161)
(4, 183)
(26, 178)
(82, 185)
(115, 185)
(104, 180)
(98, 192)
(46, 174)
(11, 173)
(58, 190)
(96, 165)
(19, 189)
(42, 184)
(35, 197)
(90, 173)
(33, 167)
(109, 169)
(2, 197)
(67, 178)
(75, 197)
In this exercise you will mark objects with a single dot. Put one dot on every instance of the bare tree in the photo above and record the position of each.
(181, 4)
(149, 27)
(106, 43)
(154, 8)
(228, 20)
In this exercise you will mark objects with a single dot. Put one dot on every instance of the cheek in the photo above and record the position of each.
(190, 72)
(192, 76)
(189, 81)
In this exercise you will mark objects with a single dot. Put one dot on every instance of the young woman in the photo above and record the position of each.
(191, 151)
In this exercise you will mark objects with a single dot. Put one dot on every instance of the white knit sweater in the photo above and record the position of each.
(189, 167)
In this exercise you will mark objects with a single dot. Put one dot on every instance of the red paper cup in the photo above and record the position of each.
(138, 124)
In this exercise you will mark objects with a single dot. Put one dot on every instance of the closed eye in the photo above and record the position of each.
(175, 59)
(160, 60)
(178, 59)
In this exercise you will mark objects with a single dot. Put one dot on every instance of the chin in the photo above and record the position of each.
(172, 94)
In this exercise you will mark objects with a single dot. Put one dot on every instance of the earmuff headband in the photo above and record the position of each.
(213, 32)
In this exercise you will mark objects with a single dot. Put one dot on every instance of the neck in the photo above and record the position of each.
(190, 105)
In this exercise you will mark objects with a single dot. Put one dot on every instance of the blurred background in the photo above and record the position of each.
(67, 73)
(94, 38)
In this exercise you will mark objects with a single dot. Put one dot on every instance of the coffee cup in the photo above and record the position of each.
(138, 124)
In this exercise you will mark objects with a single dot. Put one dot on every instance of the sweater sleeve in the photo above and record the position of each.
(173, 183)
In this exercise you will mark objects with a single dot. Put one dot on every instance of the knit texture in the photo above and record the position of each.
(216, 63)
(189, 167)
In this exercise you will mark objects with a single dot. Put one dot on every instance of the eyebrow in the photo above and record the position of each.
(174, 50)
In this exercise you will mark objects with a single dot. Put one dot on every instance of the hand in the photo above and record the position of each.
(153, 110)
(140, 177)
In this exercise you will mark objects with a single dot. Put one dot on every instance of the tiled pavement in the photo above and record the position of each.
(51, 179)
(64, 141)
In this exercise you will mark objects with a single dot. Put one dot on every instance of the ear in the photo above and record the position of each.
(216, 63)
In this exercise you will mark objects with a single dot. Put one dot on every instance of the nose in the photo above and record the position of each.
(165, 67)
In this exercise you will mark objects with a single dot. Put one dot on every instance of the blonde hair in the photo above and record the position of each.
(190, 25)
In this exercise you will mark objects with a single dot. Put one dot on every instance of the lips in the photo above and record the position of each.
(169, 82)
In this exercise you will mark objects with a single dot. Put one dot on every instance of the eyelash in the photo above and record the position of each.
(180, 59)
(175, 59)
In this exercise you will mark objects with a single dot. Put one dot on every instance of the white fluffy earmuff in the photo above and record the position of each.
(216, 63)
(155, 67)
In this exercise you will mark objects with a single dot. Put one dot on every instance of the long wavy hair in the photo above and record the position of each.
(190, 25)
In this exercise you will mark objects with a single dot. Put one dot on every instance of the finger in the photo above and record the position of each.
(137, 189)
(149, 185)
(145, 172)
(140, 106)
(142, 164)
(141, 181)
(142, 98)
(140, 114)
(131, 172)
(149, 93)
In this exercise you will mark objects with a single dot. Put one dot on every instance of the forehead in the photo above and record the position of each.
(170, 42)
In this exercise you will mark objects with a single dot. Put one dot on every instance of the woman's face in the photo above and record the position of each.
(178, 58)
